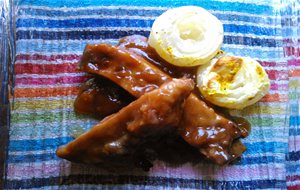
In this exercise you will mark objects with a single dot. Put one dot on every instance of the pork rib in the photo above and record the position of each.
(201, 126)
(156, 112)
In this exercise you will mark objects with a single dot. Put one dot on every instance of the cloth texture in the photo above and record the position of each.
(49, 39)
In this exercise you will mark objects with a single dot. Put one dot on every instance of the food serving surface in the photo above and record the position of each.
(47, 39)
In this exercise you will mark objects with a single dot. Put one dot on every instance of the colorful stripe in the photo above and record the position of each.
(50, 39)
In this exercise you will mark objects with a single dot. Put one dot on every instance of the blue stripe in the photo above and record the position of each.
(43, 130)
(293, 168)
(295, 120)
(81, 23)
(78, 47)
(43, 144)
(52, 156)
(53, 143)
(93, 22)
(91, 35)
(96, 11)
(293, 156)
(157, 181)
(293, 131)
(129, 12)
(210, 5)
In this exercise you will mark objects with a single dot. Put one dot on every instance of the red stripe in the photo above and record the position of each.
(51, 81)
(295, 187)
(47, 57)
(294, 73)
(29, 68)
(275, 98)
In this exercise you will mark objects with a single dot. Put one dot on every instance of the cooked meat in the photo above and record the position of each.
(101, 97)
(201, 126)
(156, 112)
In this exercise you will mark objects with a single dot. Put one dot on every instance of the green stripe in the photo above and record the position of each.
(46, 117)
(62, 116)
(267, 121)
(294, 95)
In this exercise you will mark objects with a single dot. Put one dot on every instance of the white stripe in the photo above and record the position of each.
(20, 86)
(33, 152)
(50, 76)
(279, 82)
(242, 23)
(247, 47)
(37, 152)
(264, 140)
(83, 29)
(277, 68)
(45, 62)
(51, 17)
(293, 183)
(45, 98)
(253, 36)
(95, 41)
(255, 2)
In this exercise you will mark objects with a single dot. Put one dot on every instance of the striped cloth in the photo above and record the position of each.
(50, 37)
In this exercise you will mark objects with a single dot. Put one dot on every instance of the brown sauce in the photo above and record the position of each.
(139, 45)
(215, 133)
(100, 97)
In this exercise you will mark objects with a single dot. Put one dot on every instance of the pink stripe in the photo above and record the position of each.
(294, 62)
(47, 57)
(272, 64)
(294, 143)
(188, 171)
(51, 81)
(277, 74)
(279, 86)
(207, 171)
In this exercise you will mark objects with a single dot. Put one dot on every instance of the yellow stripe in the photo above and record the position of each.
(43, 104)
(294, 84)
(262, 109)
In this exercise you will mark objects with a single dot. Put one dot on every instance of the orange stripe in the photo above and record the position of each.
(294, 73)
(45, 92)
(275, 98)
